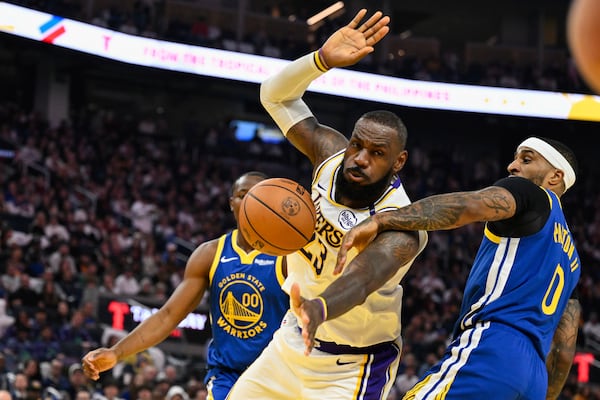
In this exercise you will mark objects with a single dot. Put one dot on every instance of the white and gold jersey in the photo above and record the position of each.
(377, 320)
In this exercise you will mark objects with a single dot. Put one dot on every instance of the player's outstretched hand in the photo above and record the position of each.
(310, 313)
(97, 361)
(356, 239)
(351, 43)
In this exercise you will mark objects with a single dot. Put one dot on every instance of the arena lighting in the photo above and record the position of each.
(321, 15)
(342, 82)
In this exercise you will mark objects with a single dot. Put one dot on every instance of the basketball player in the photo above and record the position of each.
(357, 346)
(245, 297)
(517, 314)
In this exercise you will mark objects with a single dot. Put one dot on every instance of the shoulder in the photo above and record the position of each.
(516, 183)
(527, 194)
(316, 141)
(532, 208)
(202, 257)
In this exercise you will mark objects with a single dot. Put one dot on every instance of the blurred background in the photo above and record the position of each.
(112, 173)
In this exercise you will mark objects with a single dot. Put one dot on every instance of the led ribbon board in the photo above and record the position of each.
(216, 63)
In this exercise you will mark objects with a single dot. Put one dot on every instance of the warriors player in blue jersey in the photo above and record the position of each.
(245, 298)
(516, 334)
(357, 347)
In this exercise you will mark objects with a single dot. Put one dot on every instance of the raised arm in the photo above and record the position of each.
(439, 212)
(281, 94)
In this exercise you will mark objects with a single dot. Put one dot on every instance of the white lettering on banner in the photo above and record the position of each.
(161, 54)
(194, 59)
(107, 40)
(80, 36)
(235, 65)
(192, 321)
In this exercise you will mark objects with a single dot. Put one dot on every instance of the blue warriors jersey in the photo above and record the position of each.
(247, 304)
(523, 282)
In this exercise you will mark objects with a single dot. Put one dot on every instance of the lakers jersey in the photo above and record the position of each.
(312, 267)
(519, 282)
(247, 303)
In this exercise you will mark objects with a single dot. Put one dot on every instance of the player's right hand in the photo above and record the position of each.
(351, 43)
(97, 361)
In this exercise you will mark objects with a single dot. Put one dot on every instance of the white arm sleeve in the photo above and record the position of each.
(281, 94)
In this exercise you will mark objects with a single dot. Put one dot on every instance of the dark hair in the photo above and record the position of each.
(255, 173)
(389, 119)
(565, 151)
(250, 173)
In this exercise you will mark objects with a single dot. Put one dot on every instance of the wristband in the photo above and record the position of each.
(323, 307)
(320, 61)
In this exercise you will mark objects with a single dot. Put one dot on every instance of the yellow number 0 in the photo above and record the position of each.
(554, 296)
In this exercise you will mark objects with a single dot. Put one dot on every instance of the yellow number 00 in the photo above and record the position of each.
(554, 295)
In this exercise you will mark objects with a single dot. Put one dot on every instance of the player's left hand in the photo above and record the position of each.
(351, 43)
(310, 314)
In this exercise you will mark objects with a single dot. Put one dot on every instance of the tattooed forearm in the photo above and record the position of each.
(562, 351)
(448, 211)
(370, 270)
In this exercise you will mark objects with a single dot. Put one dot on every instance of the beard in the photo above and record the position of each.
(361, 195)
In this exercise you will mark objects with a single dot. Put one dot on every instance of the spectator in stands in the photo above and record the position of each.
(51, 292)
(31, 368)
(75, 338)
(61, 255)
(110, 390)
(70, 283)
(82, 394)
(177, 393)
(47, 346)
(406, 380)
(126, 284)
(56, 377)
(591, 332)
(5, 383)
(79, 384)
(11, 278)
(55, 228)
(25, 295)
(19, 387)
(143, 213)
(38, 224)
(34, 258)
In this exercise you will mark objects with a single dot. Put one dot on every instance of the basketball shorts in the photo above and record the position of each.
(283, 372)
(489, 361)
(219, 382)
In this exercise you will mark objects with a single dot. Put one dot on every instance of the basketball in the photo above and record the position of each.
(277, 216)
(583, 34)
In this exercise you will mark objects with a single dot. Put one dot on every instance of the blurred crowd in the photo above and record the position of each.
(95, 207)
(102, 206)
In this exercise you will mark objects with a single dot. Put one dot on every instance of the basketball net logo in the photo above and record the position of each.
(241, 308)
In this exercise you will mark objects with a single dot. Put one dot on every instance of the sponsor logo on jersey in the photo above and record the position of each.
(228, 259)
(263, 262)
(347, 219)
